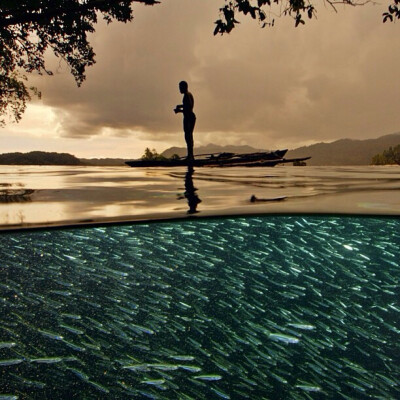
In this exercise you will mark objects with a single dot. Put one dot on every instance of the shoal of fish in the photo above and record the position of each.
(294, 307)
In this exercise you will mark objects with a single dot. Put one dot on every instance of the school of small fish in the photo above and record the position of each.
(269, 307)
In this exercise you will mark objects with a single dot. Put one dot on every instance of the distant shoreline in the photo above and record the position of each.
(53, 158)
(338, 153)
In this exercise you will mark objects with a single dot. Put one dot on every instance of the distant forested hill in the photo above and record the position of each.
(39, 158)
(345, 151)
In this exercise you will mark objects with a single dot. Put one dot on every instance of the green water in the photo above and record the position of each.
(295, 307)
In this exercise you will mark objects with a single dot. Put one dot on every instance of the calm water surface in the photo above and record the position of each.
(31, 195)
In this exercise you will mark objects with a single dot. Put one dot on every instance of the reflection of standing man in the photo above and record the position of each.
(190, 191)
(189, 117)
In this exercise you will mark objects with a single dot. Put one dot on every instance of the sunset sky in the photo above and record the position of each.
(281, 87)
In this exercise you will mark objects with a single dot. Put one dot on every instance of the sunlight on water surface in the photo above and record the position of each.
(37, 196)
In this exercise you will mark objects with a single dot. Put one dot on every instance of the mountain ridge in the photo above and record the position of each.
(211, 148)
(345, 151)
(339, 152)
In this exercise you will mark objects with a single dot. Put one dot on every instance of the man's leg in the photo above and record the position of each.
(189, 143)
(188, 126)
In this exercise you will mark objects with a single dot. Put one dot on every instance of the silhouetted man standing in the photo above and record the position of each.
(189, 117)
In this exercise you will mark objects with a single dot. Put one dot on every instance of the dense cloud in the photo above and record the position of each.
(335, 77)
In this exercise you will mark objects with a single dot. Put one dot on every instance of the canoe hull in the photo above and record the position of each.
(222, 160)
(209, 163)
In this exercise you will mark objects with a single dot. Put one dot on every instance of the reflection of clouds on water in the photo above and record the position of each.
(63, 195)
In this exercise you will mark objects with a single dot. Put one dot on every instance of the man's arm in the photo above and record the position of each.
(178, 109)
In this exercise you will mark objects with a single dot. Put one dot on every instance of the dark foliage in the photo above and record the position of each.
(393, 12)
(38, 158)
(152, 155)
(389, 156)
(265, 11)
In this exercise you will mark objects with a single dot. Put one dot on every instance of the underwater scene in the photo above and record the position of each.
(256, 307)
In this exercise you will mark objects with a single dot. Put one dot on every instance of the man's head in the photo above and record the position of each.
(183, 86)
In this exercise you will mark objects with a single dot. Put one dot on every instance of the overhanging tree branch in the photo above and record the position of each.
(45, 15)
(29, 27)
